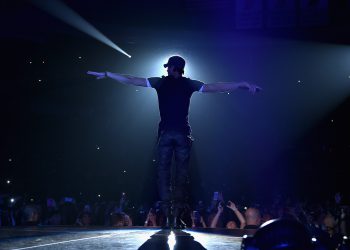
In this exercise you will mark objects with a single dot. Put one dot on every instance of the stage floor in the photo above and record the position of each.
(112, 238)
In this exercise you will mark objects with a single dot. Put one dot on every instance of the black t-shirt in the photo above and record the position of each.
(174, 96)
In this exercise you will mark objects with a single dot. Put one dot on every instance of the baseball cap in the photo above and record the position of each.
(176, 61)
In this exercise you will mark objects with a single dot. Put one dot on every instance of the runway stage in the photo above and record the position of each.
(111, 238)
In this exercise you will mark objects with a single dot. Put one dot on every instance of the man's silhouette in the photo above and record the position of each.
(174, 132)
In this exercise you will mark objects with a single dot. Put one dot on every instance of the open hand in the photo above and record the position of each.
(99, 75)
(232, 206)
(251, 87)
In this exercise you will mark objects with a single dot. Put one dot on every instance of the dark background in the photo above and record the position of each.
(71, 135)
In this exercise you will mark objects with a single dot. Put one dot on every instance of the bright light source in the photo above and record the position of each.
(313, 239)
(97, 147)
(12, 200)
(345, 237)
(10, 159)
(30, 62)
(39, 80)
(124, 171)
(99, 195)
(245, 236)
(171, 240)
(245, 208)
(79, 57)
(8, 182)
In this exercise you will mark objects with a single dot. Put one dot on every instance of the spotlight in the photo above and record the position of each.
(61, 11)
(12, 200)
(313, 239)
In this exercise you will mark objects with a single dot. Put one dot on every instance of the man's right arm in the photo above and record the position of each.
(125, 79)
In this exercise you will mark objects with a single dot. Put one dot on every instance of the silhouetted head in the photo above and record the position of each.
(282, 235)
(231, 225)
(175, 66)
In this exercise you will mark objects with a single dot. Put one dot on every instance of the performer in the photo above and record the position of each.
(174, 131)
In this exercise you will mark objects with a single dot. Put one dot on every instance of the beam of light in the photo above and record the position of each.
(67, 15)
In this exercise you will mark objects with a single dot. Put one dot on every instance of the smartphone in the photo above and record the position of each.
(196, 215)
(50, 202)
(216, 196)
(68, 199)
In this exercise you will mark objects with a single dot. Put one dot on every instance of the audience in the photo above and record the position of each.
(151, 220)
(197, 220)
(252, 218)
(329, 222)
(120, 219)
(232, 224)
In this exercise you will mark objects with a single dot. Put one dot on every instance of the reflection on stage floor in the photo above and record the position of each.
(111, 238)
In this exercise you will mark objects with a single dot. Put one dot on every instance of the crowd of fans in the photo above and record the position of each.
(329, 221)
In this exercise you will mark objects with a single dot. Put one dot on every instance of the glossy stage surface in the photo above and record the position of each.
(112, 238)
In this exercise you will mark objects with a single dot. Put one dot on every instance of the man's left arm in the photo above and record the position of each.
(222, 87)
